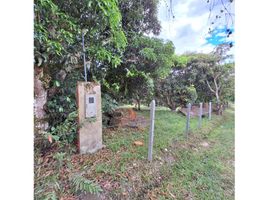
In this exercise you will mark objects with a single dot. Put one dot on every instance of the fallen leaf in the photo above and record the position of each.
(50, 138)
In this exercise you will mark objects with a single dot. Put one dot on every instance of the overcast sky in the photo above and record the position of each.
(189, 29)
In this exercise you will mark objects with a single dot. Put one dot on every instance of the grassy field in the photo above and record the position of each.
(201, 167)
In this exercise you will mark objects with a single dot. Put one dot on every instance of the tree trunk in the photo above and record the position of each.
(170, 104)
(173, 108)
(139, 104)
(40, 99)
(217, 97)
(218, 101)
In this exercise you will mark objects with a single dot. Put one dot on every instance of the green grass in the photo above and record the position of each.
(181, 168)
(199, 172)
(205, 174)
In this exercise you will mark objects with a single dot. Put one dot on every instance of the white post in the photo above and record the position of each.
(188, 120)
(200, 115)
(209, 111)
(151, 136)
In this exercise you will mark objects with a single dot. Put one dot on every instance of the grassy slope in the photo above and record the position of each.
(181, 169)
(204, 172)
(186, 169)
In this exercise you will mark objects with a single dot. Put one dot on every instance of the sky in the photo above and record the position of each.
(189, 29)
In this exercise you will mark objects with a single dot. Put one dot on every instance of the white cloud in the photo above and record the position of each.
(189, 28)
(221, 34)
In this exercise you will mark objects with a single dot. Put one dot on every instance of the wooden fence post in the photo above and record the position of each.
(151, 134)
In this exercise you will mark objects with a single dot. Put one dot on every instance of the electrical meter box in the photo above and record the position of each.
(91, 106)
(89, 117)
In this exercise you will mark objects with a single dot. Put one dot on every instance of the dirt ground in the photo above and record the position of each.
(127, 117)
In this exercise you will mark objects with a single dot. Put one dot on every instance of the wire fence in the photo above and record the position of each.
(201, 110)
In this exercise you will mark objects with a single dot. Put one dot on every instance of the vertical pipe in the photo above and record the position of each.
(151, 136)
(200, 115)
(84, 56)
(188, 120)
(209, 111)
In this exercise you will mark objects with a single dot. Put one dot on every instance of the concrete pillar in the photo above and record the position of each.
(89, 117)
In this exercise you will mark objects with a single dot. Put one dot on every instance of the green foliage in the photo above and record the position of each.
(191, 93)
(53, 31)
(111, 11)
(81, 184)
(108, 104)
(57, 48)
(179, 61)
(153, 56)
(141, 87)
(66, 131)
(60, 158)
(47, 187)
(51, 196)
(145, 59)
(208, 74)
(139, 16)
(58, 23)
(174, 90)
(211, 74)
(148, 53)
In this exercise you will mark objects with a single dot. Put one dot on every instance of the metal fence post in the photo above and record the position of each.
(188, 120)
(151, 134)
(200, 115)
(209, 111)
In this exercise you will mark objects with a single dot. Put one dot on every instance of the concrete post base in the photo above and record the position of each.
(89, 117)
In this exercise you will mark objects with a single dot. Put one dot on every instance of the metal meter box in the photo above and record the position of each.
(91, 106)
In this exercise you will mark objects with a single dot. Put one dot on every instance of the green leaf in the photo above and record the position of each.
(55, 137)
(60, 109)
(57, 83)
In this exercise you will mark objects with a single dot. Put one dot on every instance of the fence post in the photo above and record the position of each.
(151, 134)
(200, 115)
(188, 120)
(209, 111)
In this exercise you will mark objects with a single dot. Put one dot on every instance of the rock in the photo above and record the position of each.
(205, 144)
(138, 143)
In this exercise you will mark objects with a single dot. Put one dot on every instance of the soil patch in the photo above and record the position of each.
(127, 117)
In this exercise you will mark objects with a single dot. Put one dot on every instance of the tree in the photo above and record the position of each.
(176, 89)
(142, 88)
(210, 72)
(198, 76)
(57, 48)
(150, 58)
(139, 17)
(139, 57)
(173, 92)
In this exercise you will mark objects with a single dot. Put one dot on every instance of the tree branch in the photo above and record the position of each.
(216, 85)
(210, 86)
(227, 11)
